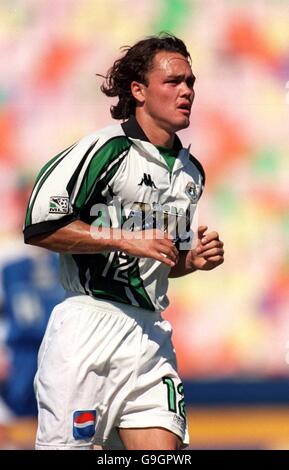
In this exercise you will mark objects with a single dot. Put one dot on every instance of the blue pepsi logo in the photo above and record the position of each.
(84, 424)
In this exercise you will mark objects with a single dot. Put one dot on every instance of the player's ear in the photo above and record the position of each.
(137, 91)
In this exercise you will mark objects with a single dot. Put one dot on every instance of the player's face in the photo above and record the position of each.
(169, 94)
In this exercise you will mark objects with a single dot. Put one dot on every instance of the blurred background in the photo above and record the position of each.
(231, 325)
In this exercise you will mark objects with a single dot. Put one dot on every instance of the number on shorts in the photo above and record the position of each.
(173, 405)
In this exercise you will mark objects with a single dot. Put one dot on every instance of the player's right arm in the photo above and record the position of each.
(79, 238)
(63, 191)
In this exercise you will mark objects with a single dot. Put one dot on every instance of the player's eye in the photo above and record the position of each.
(190, 82)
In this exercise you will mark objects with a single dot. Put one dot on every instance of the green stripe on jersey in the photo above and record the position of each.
(107, 279)
(100, 164)
(90, 270)
(51, 161)
(138, 290)
(41, 178)
(169, 155)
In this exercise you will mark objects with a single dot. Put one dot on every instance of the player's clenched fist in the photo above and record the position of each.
(209, 251)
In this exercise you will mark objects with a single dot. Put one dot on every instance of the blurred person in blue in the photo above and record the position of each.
(107, 372)
(29, 290)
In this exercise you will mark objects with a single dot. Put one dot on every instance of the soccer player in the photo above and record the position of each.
(107, 371)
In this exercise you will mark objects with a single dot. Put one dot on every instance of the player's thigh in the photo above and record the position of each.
(149, 439)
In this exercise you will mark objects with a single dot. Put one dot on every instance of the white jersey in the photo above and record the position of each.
(115, 165)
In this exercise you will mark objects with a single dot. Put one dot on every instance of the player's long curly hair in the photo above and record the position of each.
(133, 66)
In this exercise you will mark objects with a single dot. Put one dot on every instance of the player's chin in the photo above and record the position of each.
(182, 123)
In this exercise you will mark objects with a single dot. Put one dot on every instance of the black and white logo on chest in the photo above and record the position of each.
(147, 181)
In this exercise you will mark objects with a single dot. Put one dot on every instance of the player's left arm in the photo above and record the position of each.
(207, 254)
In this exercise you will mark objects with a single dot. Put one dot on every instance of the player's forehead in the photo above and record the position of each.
(171, 63)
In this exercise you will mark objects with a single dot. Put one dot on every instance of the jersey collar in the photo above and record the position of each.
(133, 131)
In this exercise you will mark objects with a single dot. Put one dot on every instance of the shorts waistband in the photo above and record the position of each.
(109, 306)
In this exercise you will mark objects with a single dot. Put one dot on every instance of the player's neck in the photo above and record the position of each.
(156, 134)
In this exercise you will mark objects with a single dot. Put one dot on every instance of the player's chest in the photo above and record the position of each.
(150, 181)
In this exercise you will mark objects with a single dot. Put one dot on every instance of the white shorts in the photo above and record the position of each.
(104, 366)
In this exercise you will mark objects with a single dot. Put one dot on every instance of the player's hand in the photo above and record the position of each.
(153, 244)
(209, 251)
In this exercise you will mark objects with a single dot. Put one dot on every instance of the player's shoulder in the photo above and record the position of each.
(198, 165)
(110, 134)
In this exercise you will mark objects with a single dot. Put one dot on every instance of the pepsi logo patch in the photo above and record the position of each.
(84, 424)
